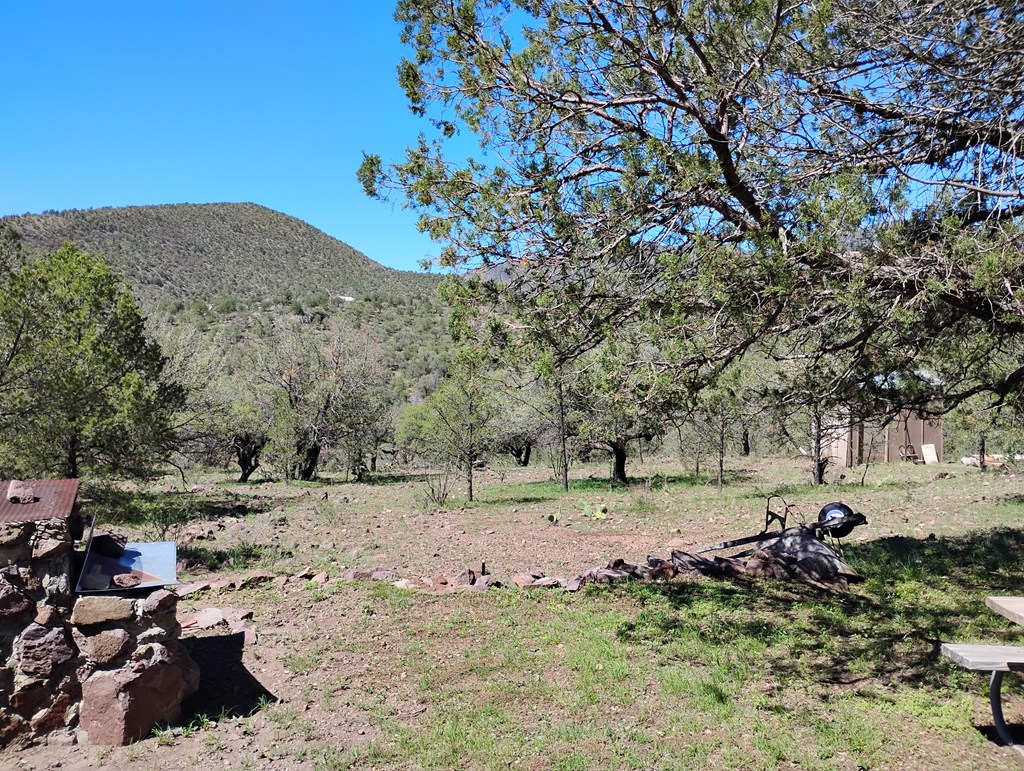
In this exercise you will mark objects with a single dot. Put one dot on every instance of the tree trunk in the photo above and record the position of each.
(72, 449)
(745, 439)
(521, 454)
(373, 463)
(981, 452)
(469, 479)
(818, 463)
(561, 433)
(722, 424)
(309, 457)
(618, 463)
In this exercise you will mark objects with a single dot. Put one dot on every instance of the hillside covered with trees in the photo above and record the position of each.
(224, 250)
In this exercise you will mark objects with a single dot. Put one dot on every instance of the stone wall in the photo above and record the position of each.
(109, 665)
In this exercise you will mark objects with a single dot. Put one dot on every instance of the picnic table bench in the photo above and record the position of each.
(997, 659)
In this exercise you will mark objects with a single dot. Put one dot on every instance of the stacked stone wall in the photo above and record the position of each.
(103, 668)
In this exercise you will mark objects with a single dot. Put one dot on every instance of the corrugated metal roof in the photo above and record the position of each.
(55, 499)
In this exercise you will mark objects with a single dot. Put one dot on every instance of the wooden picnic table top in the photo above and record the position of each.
(1011, 607)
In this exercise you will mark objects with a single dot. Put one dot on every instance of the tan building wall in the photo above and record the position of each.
(869, 443)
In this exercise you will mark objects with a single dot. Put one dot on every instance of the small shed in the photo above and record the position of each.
(911, 438)
(38, 500)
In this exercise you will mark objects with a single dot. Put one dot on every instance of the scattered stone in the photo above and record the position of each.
(305, 574)
(184, 590)
(126, 580)
(383, 575)
(465, 578)
(491, 582)
(574, 584)
(256, 577)
(235, 615)
(547, 582)
(207, 618)
(320, 579)
(405, 583)
(523, 580)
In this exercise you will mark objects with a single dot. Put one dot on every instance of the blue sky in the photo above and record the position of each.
(118, 103)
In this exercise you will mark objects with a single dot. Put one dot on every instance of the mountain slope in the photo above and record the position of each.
(205, 251)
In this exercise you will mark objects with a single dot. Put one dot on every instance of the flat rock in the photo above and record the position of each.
(383, 575)
(574, 584)
(184, 590)
(45, 548)
(523, 580)
(99, 610)
(548, 582)
(207, 618)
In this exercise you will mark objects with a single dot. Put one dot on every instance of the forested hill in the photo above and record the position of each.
(206, 251)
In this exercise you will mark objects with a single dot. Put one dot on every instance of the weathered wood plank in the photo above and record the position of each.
(1011, 607)
(986, 658)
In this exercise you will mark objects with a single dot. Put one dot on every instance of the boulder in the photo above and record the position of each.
(55, 716)
(123, 705)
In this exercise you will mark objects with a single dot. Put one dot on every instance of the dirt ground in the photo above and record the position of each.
(330, 668)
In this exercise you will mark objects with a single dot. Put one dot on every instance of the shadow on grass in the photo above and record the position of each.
(916, 595)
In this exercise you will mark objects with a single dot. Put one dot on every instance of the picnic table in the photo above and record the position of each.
(997, 659)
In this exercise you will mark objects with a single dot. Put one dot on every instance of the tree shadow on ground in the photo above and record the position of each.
(917, 594)
(226, 687)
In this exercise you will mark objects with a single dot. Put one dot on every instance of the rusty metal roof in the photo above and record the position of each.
(54, 499)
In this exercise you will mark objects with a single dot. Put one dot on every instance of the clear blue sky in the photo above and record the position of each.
(119, 103)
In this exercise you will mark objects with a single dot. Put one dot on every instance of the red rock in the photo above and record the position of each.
(159, 601)
(123, 705)
(47, 615)
(55, 715)
(106, 646)
(523, 580)
(256, 577)
(29, 698)
(320, 579)
(465, 578)
(49, 547)
(40, 650)
(13, 604)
